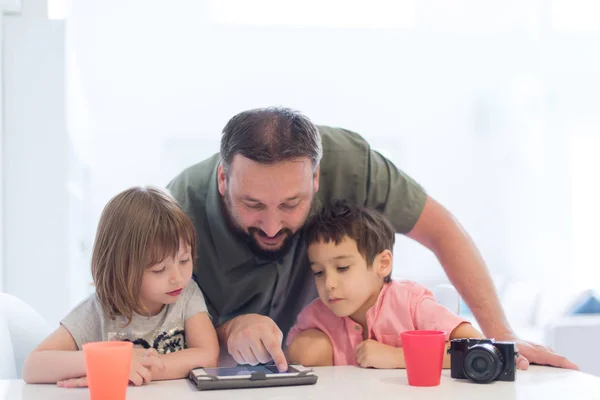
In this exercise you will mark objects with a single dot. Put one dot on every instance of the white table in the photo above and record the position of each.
(350, 383)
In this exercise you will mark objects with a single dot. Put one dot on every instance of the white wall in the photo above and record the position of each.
(2, 269)
(476, 105)
(458, 105)
(36, 205)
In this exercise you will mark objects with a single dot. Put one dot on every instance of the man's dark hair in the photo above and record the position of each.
(270, 135)
(372, 231)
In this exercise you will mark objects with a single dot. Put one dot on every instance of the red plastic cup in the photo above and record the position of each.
(107, 368)
(423, 356)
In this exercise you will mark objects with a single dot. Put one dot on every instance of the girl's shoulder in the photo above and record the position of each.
(89, 304)
(191, 292)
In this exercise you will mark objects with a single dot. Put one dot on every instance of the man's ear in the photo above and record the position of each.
(221, 179)
(383, 263)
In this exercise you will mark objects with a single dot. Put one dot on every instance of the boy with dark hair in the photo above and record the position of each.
(361, 312)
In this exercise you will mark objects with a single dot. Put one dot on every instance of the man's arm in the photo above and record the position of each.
(414, 213)
(440, 232)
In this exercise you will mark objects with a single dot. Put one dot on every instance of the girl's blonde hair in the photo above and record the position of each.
(138, 228)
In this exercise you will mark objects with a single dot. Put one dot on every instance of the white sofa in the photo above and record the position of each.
(576, 337)
(537, 312)
(21, 330)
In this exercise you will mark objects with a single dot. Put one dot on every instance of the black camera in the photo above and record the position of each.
(482, 360)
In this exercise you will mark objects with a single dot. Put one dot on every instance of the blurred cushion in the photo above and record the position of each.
(8, 368)
(587, 303)
(24, 327)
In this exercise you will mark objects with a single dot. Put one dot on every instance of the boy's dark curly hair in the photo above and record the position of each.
(372, 231)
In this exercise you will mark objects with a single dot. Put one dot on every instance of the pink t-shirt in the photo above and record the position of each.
(401, 306)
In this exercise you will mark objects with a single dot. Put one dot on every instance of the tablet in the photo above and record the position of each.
(247, 376)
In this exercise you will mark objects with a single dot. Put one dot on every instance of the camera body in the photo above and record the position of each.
(482, 360)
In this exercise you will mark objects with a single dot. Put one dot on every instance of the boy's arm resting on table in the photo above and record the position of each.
(378, 355)
(202, 350)
(373, 354)
(56, 358)
(311, 348)
(463, 331)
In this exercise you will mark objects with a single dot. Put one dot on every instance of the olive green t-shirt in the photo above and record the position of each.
(234, 281)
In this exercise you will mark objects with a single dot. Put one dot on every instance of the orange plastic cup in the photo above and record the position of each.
(423, 356)
(107, 367)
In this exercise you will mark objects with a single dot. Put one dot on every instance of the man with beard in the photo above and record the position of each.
(250, 202)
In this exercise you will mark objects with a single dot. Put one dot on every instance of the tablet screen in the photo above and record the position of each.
(246, 370)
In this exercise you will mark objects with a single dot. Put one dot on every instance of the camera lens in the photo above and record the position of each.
(483, 363)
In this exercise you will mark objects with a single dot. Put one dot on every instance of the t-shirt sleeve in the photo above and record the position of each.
(394, 193)
(84, 322)
(428, 314)
(307, 319)
(194, 301)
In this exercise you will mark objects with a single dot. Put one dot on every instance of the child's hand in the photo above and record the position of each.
(143, 363)
(371, 353)
(73, 383)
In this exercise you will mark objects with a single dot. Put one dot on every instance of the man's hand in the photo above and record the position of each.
(254, 339)
(378, 355)
(537, 354)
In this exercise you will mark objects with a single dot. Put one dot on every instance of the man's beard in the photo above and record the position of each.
(269, 255)
(252, 242)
